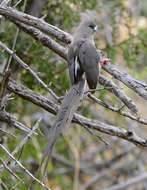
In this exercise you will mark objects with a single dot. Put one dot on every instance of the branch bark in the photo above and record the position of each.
(26, 67)
(50, 106)
(11, 120)
(11, 13)
(138, 86)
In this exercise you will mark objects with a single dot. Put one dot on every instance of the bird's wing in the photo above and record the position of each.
(71, 63)
(89, 61)
(73, 60)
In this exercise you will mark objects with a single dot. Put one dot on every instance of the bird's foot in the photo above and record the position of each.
(103, 61)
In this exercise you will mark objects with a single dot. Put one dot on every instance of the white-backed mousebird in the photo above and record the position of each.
(83, 58)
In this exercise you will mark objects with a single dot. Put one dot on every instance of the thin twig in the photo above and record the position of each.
(3, 185)
(14, 43)
(4, 84)
(97, 89)
(9, 170)
(17, 3)
(92, 133)
(23, 168)
(141, 177)
(11, 120)
(8, 133)
(25, 66)
(118, 110)
(24, 141)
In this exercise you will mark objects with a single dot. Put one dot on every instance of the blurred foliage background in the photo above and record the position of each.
(123, 36)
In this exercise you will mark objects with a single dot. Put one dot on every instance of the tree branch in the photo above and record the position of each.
(8, 118)
(25, 170)
(118, 110)
(23, 142)
(46, 104)
(129, 182)
(138, 86)
(111, 130)
(42, 38)
(113, 88)
(36, 22)
(25, 66)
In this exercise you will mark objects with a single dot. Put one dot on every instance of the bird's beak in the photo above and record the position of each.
(96, 28)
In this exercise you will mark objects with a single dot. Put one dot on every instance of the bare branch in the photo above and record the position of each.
(9, 170)
(138, 86)
(94, 124)
(36, 22)
(125, 184)
(43, 38)
(111, 130)
(5, 3)
(92, 133)
(3, 185)
(118, 110)
(32, 96)
(24, 141)
(25, 66)
(8, 133)
(118, 93)
(4, 84)
(8, 118)
(25, 170)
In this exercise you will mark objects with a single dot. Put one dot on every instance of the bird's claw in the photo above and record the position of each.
(103, 61)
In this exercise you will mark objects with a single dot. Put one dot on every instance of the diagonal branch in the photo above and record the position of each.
(24, 169)
(111, 130)
(42, 38)
(8, 118)
(9, 170)
(36, 22)
(50, 106)
(135, 180)
(93, 124)
(25, 66)
(113, 88)
(138, 86)
(24, 141)
(118, 110)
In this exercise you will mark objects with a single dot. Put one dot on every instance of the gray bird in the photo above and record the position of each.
(83, 58)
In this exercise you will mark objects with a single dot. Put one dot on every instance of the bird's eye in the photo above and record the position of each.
(91, 26)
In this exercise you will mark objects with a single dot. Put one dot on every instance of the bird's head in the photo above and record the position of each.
(87, 28)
